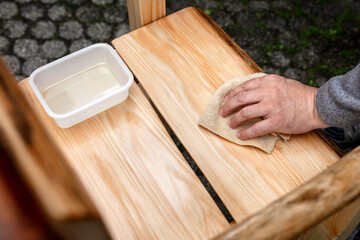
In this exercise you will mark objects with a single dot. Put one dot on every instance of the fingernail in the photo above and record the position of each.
(238, 135)
(221, 112)
(226, 98)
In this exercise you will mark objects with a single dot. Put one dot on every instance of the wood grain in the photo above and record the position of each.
(143, 12)
(181, 60)
(41, 163)
(314, 201)
(141, 185)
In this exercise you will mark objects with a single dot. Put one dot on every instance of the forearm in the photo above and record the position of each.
(338, 100)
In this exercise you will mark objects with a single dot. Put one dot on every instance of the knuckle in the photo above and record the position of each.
(245, 113)
(256, 129)
(241, 97)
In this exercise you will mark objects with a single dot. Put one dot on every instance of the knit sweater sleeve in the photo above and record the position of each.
(338, 100)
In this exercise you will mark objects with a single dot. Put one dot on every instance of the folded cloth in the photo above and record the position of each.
(211, 119)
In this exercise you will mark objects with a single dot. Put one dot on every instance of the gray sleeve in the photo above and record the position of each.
(338, 100)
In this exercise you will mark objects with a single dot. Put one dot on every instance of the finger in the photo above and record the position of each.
(239, 101)
(258, 129)
(247, 113)
(248, 85)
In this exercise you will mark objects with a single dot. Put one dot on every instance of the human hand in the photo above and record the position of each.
(285, 106)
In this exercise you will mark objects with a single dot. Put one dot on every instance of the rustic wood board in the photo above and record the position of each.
(181, 60)
(141, 185)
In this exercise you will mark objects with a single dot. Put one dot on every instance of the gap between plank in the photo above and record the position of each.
(191, 162)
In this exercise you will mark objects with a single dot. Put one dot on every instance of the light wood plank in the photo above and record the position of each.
(141, 185)
(142, 12)
(38, 159)
(181, 60)
(307, 205)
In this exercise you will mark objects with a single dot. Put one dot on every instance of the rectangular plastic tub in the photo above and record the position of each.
(82, 84)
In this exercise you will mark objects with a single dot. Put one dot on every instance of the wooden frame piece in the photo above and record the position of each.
(142, 12)
(304, 207)
(41, 163)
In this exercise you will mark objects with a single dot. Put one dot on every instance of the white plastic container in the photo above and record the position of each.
(67, 88)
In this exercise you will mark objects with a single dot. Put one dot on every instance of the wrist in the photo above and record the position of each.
(317, 121)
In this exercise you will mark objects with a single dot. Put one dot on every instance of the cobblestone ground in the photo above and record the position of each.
(305, 40)
(309, 41)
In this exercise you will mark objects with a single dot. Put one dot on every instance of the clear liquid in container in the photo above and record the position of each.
(81, 88)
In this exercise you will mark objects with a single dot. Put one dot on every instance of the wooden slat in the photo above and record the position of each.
(49, 177)
(141, 185)
(142, 12)
(181, 60)
(307, 205)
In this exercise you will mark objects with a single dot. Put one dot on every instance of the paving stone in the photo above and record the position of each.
(355, 8)
(79, 44)
(296, 74)
(234, 6)
(71, 30)
(54, 49)
(311, 7)
(275, 22)
(23, 1)
(319, 81)
(258, 6)
(99, 31)
(289, 39)
(114, 15)
(333, 58)
(324, 21)
(49, 1)
(13, 63)
(270, 70)
(283, 5)
(121, 30)
(102, 2)
(15, 28)
(317, 43)
(123, 3)
(223, 19)
(207, 4)
(247, 20)
(298, 23)
(26, 48)
(4, 45)
(306, 58)
(8, 10)
(32, 64)
(76, 2)
(279, 59)
(263, 37)
(32, 11)
(255, 54)
(333, 9)
(59, 12)
(176, 5)
(43, 30)
(87, 13)
(351, 27)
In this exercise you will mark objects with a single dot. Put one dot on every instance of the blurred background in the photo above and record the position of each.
(309, 41)
(305, 40)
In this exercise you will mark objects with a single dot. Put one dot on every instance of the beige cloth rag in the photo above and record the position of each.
(211, 119)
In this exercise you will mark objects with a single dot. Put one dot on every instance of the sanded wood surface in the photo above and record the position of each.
(307, 205)
(142, 12)
(141, 185)
(37, 157)
(181, 60)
